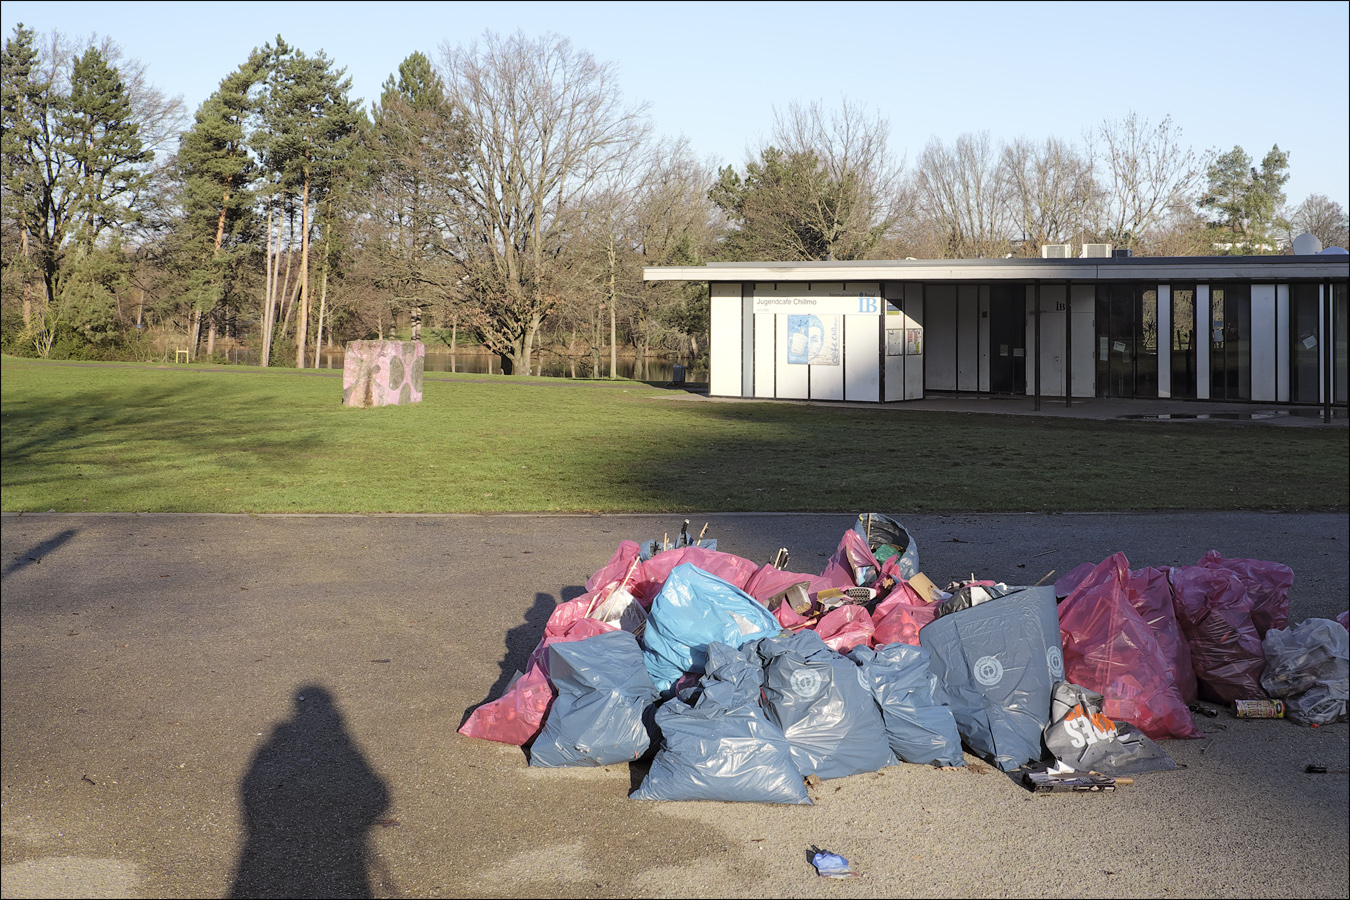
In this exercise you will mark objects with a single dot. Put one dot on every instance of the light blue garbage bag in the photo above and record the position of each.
(828, 716)
(694, 609)
(919, 724)
(723, 746)
(604, 693)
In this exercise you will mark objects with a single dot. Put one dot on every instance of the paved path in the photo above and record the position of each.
(200, 705)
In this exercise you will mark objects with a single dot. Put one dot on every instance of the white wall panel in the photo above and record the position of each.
(793, 382)
(1205, 325)
(767, 341)
(1084, 340)
(967, 338)
(1263, 342)
(862, 358)
(939, 309)
(725, 341)
(1282, 343)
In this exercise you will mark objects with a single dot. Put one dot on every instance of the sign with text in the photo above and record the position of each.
(846, 299)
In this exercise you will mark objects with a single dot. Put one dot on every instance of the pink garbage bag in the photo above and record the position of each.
(733, 569)
(1110, 649)
(1215, 616)
(1267, 585)
(846, 627)
(851, 559)
(1150, 593)
(516, 716)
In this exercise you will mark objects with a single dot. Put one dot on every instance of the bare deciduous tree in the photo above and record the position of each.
(1143, 172)
(1049, 186)
(1324, 219)
(859, 200)
(544, 125)
(961, 194)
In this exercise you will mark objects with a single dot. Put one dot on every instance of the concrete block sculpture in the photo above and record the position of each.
(383, 373)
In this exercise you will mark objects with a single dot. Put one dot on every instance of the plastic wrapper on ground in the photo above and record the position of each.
(919, 726)
(829, 718)
(1084, 739)
(1110, 649)
(722, 746)
(603, 695)
(1308, 666)
(997, 663)
(1214, 613)
(694, 609)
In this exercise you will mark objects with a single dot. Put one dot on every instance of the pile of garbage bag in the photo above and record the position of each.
(743, 681)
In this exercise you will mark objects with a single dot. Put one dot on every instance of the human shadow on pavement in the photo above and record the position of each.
(309, 800)
(36, 554)
(521, 641)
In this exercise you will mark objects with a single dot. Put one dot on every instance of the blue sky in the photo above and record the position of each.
(1249, 74)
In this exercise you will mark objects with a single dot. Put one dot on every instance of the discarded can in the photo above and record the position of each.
(1258, 709)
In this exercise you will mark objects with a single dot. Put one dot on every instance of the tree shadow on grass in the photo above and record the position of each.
(309, 800)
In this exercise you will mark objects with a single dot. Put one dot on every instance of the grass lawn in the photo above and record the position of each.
(124, 437)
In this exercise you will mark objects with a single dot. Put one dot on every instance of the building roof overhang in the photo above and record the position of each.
(1184, 268)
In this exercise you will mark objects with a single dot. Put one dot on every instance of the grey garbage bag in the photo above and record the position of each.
(604, 693)
(817, 698)
(722, 746)
(1308, 666)
(998, 663)
(1086, 741)
(919, 725)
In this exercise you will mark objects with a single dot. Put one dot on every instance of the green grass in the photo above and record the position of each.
(99, 437)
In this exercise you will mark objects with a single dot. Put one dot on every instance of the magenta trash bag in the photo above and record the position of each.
(516, 716)
(852, 564)
(1150, 592)
(846, 627)
(735, 570)
(1267, 585)
(1215, 616)
(1110, 649)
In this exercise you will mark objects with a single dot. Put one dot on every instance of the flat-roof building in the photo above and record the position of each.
(1250, 328)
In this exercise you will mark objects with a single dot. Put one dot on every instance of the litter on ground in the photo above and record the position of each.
(748, 682)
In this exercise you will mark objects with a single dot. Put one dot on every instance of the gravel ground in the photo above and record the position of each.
(156, 743)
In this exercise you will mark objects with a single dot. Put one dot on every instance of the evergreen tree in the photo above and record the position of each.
(307, 140)
(1244, 203)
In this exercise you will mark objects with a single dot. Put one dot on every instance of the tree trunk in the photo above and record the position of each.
(302, 317)
(211, 337)
(323, 306)
(195, 332)
(265, 353)
(613, 316)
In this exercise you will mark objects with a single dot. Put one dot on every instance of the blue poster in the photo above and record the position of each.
(813, 340)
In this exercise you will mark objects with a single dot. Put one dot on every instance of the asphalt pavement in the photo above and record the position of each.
(212, 705)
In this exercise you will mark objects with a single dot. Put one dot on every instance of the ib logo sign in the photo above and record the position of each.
(867, 304)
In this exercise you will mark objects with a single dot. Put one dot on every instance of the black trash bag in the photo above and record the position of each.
(604, 694)
(968, 595)
(998, 663)
(815, 696)
(886, 537)
(919, 725)
(718, 744)
(1084, 740)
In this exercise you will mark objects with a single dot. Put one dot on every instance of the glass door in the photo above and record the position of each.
(1183, 342)
(1230, 342)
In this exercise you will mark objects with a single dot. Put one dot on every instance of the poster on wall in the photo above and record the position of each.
(895, 341)
(813, 340)
(914, 342)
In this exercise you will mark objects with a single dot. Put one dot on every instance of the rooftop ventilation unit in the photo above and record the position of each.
(1057, 251)
(1096, 251)
(1124, 253)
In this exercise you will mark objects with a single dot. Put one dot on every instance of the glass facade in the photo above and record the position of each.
(1183, 342)
(1127, 340)
(1230, 342)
